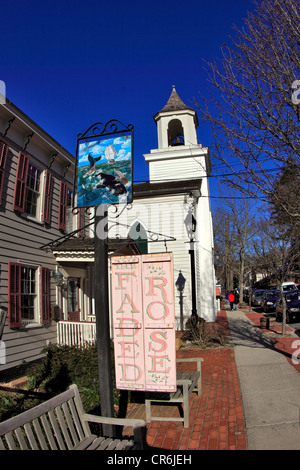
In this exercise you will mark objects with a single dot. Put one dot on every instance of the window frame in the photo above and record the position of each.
(41, 315)
(62, 209)
(39, 193)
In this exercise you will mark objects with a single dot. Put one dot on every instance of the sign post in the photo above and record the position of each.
(103, 177)
(102, 325)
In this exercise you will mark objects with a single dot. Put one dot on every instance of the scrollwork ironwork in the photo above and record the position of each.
(116, 210)
(99, 128)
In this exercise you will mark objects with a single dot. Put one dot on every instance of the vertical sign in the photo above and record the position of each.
(144, 322)
(128, 322)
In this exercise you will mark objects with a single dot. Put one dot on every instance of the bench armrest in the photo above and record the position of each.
(192, 359)
(139, 427)
(135, 423)
(183, 381)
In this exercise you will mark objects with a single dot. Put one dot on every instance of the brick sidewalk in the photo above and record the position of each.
(287, 344)
(216, 418)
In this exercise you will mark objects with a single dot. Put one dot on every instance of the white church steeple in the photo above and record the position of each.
(176, 123)
(178, 155)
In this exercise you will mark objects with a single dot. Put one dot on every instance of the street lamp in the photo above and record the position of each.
(190, 224)
(180, 283)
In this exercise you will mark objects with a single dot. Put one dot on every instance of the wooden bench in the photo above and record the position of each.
(187, 382)
(61, 424)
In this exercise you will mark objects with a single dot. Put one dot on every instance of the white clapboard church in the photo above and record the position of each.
(177, 188)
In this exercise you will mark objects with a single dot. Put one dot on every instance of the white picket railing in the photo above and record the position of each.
(72, 333)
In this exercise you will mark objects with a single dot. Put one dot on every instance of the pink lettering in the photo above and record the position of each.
(130, 302)
(159, 361)
(120, 279)
(156, 339)
(152, 310)
(125, 325)
(160, 286)
(130, 375)
(127, 346)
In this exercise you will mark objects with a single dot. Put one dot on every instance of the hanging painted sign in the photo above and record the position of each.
(144, 322)
(104, 165)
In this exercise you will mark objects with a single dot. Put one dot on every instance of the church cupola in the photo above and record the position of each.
(176, 123)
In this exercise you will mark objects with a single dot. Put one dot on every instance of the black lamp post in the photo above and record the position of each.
(190, 224)
(180, 283)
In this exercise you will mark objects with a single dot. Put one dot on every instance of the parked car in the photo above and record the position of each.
(268, 300)
(256, 297)
(289, 286)
(292, 307)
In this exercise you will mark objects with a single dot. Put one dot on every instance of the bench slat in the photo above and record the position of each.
(70, 424)
(104, 444)
(39, 434)
(96, 443)
(47, 429)
(10, 441)
(63, 427)
(86, 443)
(82, 427)
(20, 439)
(30, 436)
(55, 427)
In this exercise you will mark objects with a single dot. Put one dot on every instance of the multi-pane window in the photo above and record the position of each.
(28, 197)
(32, 191)
(28, 292)
(25, 286)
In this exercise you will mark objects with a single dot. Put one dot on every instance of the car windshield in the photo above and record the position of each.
(293, 296)
(258, 294)
(289, 287)
(270, 294)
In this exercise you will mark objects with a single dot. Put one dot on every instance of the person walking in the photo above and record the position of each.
(226, 296)
(231, 300)
(236, 300)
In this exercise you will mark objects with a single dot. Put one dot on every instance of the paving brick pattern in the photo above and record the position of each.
(216, 418)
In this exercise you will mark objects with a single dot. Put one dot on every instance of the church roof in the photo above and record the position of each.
(174, 103)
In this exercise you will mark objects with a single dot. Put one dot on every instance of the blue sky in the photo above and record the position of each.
(69, 64)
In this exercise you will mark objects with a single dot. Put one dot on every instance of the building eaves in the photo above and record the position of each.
(165, 188)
